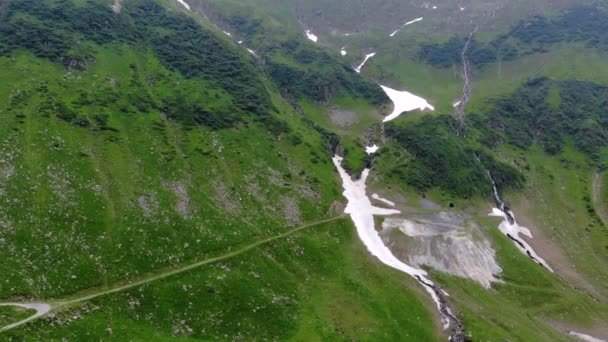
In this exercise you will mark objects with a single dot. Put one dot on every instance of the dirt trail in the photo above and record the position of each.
(41, 310)
(45, 308)
(597, 196)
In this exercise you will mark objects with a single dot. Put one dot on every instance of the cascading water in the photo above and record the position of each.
(511, 229)
(362, 213)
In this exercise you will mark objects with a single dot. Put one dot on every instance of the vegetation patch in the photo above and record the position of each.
(549, 112)
(440, 158)
(587, 24)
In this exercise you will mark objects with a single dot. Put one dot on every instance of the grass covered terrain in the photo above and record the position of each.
(10, 314)
(146, 141)
(317, 284)
(140, 142)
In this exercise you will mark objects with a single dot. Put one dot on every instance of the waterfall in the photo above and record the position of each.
(510, 228)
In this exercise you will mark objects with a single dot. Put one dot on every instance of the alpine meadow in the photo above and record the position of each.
(304, 170)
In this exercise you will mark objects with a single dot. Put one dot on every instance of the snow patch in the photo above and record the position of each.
(404, 101)
(406, 24)
(362, 213)
(311, 36)
(413, 21)
(383, 200)
(513, 231)
(184, 4)
(343, 51)
(585, 337)
(252, 52)
(371, 149)
(227, 33)
(456, 104)
(367, 57)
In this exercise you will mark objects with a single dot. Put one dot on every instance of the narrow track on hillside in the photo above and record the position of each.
(596, 192)
(102, 291)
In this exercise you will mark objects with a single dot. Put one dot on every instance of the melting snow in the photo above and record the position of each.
(585, 337)
(368, 56)
(184, 3)
(383, 200)
(311, 36)
(362, 213)
(371, 149)
(513, 231)
(252, 52)
(343, 51)
(461, 8)
(413, 21)
(404, 102)
(456, 104)
(228, 33)
(406, 24)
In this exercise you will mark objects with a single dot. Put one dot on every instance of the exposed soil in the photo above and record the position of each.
(597, 197)
(343, 118)
(117, 6)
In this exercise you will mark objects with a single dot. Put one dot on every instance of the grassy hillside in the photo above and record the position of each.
(142, 145)
(141, 141)
(318, 284)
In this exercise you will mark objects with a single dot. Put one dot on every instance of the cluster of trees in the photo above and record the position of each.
(441, 159)
(55, 30)
(581, 23)
(548, 111)
(317, 75)
(450, 53)
(52, 31)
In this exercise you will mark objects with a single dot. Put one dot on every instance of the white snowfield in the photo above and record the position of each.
(383, 200)
(41, 310)
(584, 337)
(367, 57)
(406, 24)
(362, 213)
(371, 149)
(514, 230)
(404, 101)
(184, 4)
(311, 36)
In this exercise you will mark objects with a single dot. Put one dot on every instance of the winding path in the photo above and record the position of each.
(597, 196)
(42, 309)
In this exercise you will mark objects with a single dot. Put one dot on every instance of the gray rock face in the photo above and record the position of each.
(446, 242)
(343, 118)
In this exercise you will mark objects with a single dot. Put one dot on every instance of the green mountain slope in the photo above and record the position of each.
(166, 171)
(141, 141)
